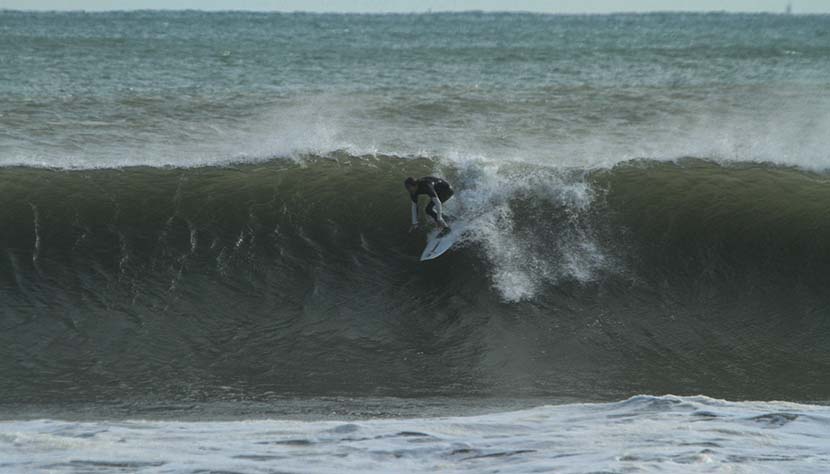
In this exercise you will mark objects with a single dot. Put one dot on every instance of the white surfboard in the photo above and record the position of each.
(436, 245)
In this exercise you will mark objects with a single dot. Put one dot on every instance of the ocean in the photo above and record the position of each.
(205, 265)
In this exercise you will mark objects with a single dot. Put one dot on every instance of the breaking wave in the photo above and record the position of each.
(297, 276)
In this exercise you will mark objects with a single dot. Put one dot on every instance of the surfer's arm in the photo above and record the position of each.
(414, 213)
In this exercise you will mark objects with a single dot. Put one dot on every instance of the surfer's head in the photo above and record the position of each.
(410, 184)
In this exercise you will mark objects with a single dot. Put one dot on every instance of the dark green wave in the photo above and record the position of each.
(280, 278)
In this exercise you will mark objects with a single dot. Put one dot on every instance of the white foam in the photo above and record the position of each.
(787, 127)
(642, 434)
(554, 247)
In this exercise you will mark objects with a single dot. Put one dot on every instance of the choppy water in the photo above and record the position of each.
(205, 211)
(642, 434)
(100, 90)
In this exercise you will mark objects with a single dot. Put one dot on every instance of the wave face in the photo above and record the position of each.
(643, 433)
(298, 278)
(207, 207)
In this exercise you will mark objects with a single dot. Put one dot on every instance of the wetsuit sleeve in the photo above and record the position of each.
(414, 213)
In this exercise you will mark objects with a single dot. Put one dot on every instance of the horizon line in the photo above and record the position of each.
(413, 12)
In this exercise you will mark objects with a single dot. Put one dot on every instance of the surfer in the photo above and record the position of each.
(438, 190)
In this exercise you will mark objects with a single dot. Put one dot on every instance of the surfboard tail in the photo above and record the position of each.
(440, 242)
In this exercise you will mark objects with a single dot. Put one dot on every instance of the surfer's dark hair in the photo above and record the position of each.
(410, 181)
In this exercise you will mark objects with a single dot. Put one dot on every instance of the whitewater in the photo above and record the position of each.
(641, 434)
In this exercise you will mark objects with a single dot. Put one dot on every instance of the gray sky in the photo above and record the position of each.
(552, 6)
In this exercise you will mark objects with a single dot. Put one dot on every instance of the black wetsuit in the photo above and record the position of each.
(432, 187)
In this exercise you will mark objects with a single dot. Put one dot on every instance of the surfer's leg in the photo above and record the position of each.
(444, 194)
(430, 210)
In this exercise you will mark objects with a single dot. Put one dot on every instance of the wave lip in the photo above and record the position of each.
(674, 434)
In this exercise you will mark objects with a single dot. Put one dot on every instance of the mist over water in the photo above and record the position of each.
(184, 89)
